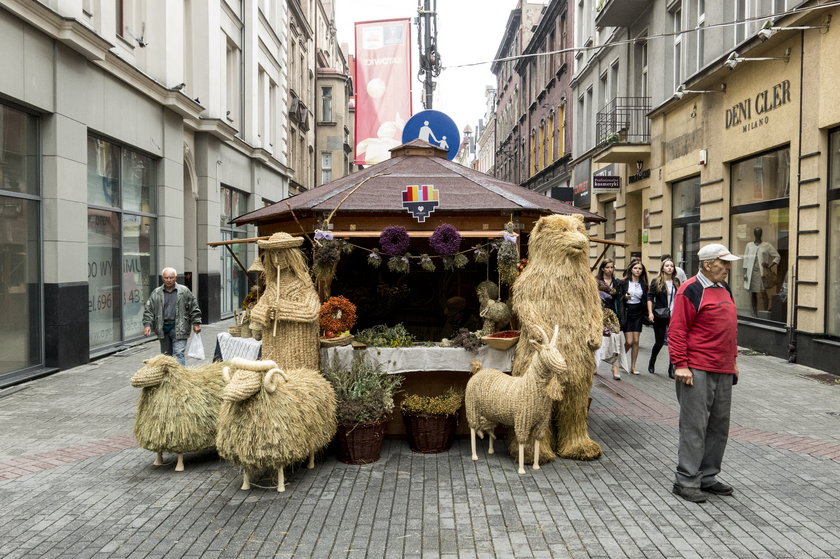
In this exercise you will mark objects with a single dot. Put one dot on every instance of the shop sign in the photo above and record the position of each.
(605, 181)
(420, 200)
(641, 173)
(751, 113)
(581, 191)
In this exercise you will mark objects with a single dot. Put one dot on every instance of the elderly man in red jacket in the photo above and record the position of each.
(703, 343)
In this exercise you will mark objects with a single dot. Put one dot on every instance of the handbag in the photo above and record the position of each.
(195, 347)
(662, 313)
(769, 279)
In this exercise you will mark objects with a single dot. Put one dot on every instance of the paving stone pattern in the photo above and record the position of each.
(74, 484)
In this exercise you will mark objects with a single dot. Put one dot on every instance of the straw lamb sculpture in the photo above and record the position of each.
(495, 314)
(493, 397)
(272, 418)
(178, 407)
(557, 287)
(287, 311)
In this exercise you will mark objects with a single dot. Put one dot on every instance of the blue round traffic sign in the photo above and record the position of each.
(436, 128)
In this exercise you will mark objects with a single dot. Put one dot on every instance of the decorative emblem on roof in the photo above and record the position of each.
(420, 200)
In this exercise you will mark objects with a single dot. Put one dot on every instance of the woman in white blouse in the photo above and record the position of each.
(632, 298)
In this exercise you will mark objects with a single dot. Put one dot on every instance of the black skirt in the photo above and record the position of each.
(635, 316)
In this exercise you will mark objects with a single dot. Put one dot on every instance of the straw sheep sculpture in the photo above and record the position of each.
(492, 397)
(496, 314)
(178, 407)
(557, 287)
(272, 418)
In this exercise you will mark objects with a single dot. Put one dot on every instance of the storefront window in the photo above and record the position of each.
(833, 277)
(760, 235)
(20, 242)
(121, 241)
(234, 280)
(685, 222)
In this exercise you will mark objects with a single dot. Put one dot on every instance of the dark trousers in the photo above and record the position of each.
(660, 332)
(704, 427)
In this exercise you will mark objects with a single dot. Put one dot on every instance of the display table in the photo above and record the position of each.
(426, 370)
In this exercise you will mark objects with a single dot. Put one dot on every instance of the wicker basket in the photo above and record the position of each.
(234, 331)
(338, 341)
(500, 343)
(360, 443)
(430, 434)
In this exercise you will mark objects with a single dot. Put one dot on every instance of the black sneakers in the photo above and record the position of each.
(718, 488)
(690, 493)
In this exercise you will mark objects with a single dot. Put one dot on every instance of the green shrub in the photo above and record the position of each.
(364, 392)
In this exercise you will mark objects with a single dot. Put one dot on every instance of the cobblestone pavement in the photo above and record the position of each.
(73, 483)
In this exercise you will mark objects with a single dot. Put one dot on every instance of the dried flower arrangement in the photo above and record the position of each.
(336, 316)
(394, 240)
(508, 257)
(364, 392)
(447, 403)
(467, 340)
(382, 335)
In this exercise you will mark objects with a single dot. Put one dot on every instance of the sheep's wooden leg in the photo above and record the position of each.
(281, 482)
(490, 439)
(472, 444)
(522, 458)
(158, 459)
(311, 461)
(246, 481)
(536, 453)
(179, 467)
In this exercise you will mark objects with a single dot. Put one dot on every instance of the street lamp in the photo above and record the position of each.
(734, 59)
(682, 90)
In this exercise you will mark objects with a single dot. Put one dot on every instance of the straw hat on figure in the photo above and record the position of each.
(287, 312)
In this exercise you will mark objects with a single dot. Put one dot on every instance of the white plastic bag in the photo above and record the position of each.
(195, 348)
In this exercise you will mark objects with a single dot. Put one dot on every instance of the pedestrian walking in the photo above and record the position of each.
(169, 312)
(679, 273)
(632, 301)
(608, 289)
(660, 304)
(703, 346)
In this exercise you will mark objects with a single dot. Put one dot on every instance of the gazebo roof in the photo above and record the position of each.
(379, 189)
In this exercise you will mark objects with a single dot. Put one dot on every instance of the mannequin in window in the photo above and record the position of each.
(759, 257)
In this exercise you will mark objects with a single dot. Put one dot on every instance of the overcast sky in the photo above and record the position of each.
(468, 31)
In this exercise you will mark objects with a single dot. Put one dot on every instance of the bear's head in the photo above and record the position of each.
(559, 238)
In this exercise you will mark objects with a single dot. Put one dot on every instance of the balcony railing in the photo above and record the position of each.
(624, 120)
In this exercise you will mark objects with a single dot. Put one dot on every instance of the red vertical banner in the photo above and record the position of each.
(383, 87)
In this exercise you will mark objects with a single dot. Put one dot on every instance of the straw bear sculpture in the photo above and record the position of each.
(557, 287)
(493, 397)
(272, 418)
(287, 311)
(178, 407)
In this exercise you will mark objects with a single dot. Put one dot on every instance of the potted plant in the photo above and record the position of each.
(364, 395)
(430, 421)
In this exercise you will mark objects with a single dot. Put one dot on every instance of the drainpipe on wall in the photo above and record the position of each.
(793, 274)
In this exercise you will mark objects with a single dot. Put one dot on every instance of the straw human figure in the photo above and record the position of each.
(287, 312)
(557, 288)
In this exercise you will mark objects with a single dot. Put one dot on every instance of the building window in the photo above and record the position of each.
(326, 104)
(833, 277)
(760, 231)
(701, 32)
(234, 281)
(326, 167)
(642, 65)
(20, 242)
(233, 77)
(741, 15)
(685, 223)
(121, 241)
(677, 27)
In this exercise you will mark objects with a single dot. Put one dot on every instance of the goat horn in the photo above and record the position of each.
(226, 374)
(554, 337)
(542, 333)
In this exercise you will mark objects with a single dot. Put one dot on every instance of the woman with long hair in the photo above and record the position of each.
(660, 303)
(608, 286)
(632, 295)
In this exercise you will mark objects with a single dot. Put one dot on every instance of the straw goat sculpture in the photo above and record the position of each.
(494, 397)
(178, 407)
(272, 418)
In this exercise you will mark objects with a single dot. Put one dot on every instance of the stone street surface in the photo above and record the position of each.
(74, 484)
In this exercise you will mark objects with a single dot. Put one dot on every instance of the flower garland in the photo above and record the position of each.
(337, 315)
(399, 264)
(394, 240)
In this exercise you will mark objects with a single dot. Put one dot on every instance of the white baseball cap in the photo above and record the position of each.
(713, 251)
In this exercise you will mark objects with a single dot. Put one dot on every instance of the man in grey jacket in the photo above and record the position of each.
(169, 312)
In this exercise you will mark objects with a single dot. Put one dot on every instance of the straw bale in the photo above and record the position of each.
(178, 407)
(557, 287)
(269, 430)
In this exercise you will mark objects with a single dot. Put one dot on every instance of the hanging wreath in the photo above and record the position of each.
(446, 240)
(337, 315)
(394, 240)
